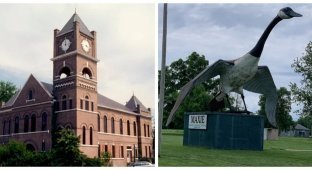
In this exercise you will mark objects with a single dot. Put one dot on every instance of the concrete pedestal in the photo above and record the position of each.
(223, 130)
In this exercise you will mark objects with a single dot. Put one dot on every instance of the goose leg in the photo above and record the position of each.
(243, 97)
(228, 100)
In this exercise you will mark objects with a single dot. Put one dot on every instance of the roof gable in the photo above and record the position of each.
(69, 26)
(300, 127)
(40, 93)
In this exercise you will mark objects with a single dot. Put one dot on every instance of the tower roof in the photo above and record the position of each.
(134, 102)
(69, 26)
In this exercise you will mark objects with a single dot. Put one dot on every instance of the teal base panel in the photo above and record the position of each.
(218, 130)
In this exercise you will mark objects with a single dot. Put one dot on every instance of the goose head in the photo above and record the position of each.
(287, 13)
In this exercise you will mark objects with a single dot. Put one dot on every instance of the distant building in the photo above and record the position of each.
(72, 102)
(297, 131)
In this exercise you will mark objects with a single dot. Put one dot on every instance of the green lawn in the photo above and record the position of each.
(287, 151)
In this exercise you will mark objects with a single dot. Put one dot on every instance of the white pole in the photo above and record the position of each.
(162, 78)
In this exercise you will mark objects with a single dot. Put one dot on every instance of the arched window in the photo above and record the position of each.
(99, 123)
(134, 128)
(33, 123)
(44, 121)
(128, 127)
(112, 125)
(30, 94)
(64, 103)
(16, 124)
(87, 103)
(144, 130)
(83, 135)
(86, 73)
(105, 124)
(65, 72)
(43, 146)
(121, 126)
(26, 123)
(91, 136)
(30, 147)
(9, 129)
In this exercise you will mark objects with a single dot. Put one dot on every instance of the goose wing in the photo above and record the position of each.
(215, 69)
(263, 83)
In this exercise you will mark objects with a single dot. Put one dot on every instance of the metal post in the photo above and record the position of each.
(162, 78)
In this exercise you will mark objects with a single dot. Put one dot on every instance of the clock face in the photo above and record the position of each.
(65, 44)
(85, 45)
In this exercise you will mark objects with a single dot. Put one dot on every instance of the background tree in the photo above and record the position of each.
(7, 90)
(303, 94)
(177, 75)
(283, 108)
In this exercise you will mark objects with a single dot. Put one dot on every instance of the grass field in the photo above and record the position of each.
(287, 151)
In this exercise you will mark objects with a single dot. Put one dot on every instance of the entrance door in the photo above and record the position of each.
(129, 155)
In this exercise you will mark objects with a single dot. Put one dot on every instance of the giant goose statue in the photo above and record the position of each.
(241, 73)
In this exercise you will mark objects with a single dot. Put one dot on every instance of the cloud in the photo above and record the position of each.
(125, 43)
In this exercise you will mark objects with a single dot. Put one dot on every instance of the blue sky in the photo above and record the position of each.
(123, 30)
(228, 31)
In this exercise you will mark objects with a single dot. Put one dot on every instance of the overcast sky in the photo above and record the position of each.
(228, 31)
(125, 45)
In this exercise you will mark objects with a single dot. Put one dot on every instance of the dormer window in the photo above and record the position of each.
(30, 95)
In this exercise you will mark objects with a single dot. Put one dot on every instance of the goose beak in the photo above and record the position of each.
(294, 14)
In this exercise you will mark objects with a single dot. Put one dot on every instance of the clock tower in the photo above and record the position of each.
(75, 78)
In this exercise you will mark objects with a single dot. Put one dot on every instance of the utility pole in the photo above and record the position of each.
(162, 78)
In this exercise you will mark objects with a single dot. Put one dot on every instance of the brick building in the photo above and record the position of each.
(72, 101)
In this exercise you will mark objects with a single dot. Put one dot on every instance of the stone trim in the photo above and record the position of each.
(25, 133)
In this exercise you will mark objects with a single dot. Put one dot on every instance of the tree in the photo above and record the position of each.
(283, 108)
(7, 90)
(303, 94)
(177, 75)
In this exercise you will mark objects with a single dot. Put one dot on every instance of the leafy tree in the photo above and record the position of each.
(283, 108)
(106, 157)
(303, 94)
(177, 75)
(7, 90)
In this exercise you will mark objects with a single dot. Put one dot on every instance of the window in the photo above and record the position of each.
(121, 151)
(16, 124)
(145, 151)
(99, 122)
(144, 130)
(92, 107)
(65, 72)
(106, 148)
(33, 123)
(26, 123)
(112, 125)
(30, 94)
(134, 128)
(148, 131)
(81, 104)
(149, 151)
(113, 151)
(64, 102)
(120, 126)
(43, 146)
(91, 136)
(128, 127)
(9, 129)
(83, 135)
(86, 73)
(3, 129)
(105, 124)
(87, 103)
(70, 103)
(57, 106)
(44, 121)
